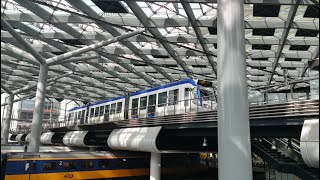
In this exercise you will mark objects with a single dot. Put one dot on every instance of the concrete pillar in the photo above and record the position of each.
(234, 151)
(6, 124)
(38, 110)
(155, 166)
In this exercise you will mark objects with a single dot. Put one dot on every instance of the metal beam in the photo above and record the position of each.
(156, 33)
(92, 47)
(76, 59)
(34, 141)
(24, 89)
(82, 6)
(6, 89)
(270, 2)
(21, 40)
(286, 30)
(314, 56)
(174, 38)
(21, 99)
(6, 125)
(199, 34)
(16, 52)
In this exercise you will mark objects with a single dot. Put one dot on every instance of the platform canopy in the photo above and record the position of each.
(180, 41)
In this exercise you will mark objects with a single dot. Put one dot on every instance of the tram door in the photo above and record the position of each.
(30, 168)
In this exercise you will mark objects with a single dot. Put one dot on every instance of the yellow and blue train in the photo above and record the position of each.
(88, 165)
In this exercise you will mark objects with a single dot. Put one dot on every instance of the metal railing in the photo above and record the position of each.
(168, 108)
(196, 112)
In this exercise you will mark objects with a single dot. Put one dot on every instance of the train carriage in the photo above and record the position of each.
(173, 98)
(177, 97)
(90, 165)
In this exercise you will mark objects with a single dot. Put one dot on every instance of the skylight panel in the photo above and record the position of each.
(263, 31)
(307, 32)
(312, 12)
(266, 10)
(110, 6)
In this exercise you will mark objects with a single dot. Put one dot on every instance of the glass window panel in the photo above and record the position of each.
(152, 103)
(106, 110)
(87, 164)
(135, 106)
(113, 108)
(101, 110)
(162, 99)
(91, 112)
(96, 112)
(50, 166)
(69, 165)
(103, 164)
(186, 96)
(143, 102)
(173, 96)
(119, 107)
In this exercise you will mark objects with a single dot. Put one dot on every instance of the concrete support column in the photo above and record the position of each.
(38, 109)
(6, 123)
(234, 151)
(155, 166)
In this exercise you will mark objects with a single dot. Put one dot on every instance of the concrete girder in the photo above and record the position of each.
(181, 38)
(27, 88)
(39, 11)
(156, 33)
(20, 99)
(289, 21)
(121, 50)
(86, 9)
(22, 41)
(199, 34)
(131, 20)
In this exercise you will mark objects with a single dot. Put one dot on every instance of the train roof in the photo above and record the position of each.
(74, 155)
(96, 103)
(184, 81)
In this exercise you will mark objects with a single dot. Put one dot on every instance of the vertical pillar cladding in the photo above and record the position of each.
(38, 109)
(155, 166)
(6, 124)
(233, 112)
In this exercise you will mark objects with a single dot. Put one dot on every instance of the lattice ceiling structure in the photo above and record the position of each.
(282, 36)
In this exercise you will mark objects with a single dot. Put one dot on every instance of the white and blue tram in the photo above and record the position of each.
(173, 98)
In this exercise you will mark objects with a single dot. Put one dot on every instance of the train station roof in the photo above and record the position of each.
(180, 41)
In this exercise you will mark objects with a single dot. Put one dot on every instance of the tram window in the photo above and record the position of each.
(162, 99)
(135, 106)
(186, 96)
(152, 103)
(50, 166)
(119, 107)
(82, 114)
(173, 96)
(69, 117)
(87, 164)
(69, 165)
(91, 112)
(152, 100)
(96, 112)
(106, 109)
(113, 108)
(103, 164)
(101, 110)
(143, 102)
